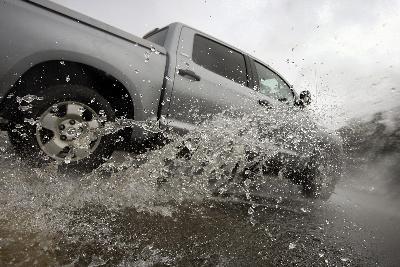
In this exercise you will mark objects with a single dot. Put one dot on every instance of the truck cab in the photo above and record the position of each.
(207, 76)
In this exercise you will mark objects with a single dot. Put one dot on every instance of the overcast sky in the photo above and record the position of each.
(347, 52)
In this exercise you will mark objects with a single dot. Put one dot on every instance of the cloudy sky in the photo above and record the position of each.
(346, 52)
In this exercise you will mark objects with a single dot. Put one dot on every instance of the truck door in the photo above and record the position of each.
(210, 77)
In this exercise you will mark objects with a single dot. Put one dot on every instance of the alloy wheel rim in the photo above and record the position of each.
(68, 131)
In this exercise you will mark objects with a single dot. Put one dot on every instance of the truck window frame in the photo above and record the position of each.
(147, 36)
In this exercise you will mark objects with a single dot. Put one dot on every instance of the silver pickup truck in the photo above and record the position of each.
(63, 75)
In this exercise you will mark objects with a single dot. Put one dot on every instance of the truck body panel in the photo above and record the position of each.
(38, 36)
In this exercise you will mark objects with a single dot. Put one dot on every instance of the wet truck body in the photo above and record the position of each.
(61, 72)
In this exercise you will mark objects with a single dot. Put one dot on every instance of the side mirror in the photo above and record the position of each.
(304, 98)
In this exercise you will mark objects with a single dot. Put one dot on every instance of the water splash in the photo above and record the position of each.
(214, 158)
(221, 157)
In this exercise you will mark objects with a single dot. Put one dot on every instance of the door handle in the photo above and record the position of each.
(264, 103)
(189, 73)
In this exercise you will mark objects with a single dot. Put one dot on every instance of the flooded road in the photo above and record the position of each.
(107, 218)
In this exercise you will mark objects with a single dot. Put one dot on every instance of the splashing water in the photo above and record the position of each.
(212, 160)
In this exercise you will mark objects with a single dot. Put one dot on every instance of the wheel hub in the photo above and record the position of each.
(70, 129)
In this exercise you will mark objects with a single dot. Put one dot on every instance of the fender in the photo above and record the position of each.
(24, 65)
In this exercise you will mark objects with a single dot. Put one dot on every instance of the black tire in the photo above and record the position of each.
(321, 174)
(22, 132)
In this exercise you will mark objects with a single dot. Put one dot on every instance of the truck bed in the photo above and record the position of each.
(81, 18)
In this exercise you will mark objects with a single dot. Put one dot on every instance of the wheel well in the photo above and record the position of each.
(38, 78)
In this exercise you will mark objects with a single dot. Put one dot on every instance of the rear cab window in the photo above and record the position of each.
(272, 85)
(219, 59)
(158, 37)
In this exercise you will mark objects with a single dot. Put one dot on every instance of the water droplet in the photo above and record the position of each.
(31, 121)
(185, 55)
(25, 108)
(250, 211)
(54, 108)
(28, 99)
(305, 210)
(147, 56)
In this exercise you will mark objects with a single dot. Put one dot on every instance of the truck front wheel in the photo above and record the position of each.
(321, 174)
(64, 124)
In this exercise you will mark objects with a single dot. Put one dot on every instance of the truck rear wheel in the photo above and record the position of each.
(64, 124)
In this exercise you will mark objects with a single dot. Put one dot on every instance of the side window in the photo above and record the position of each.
(219, 59)
(158, 37)
(270, 84)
